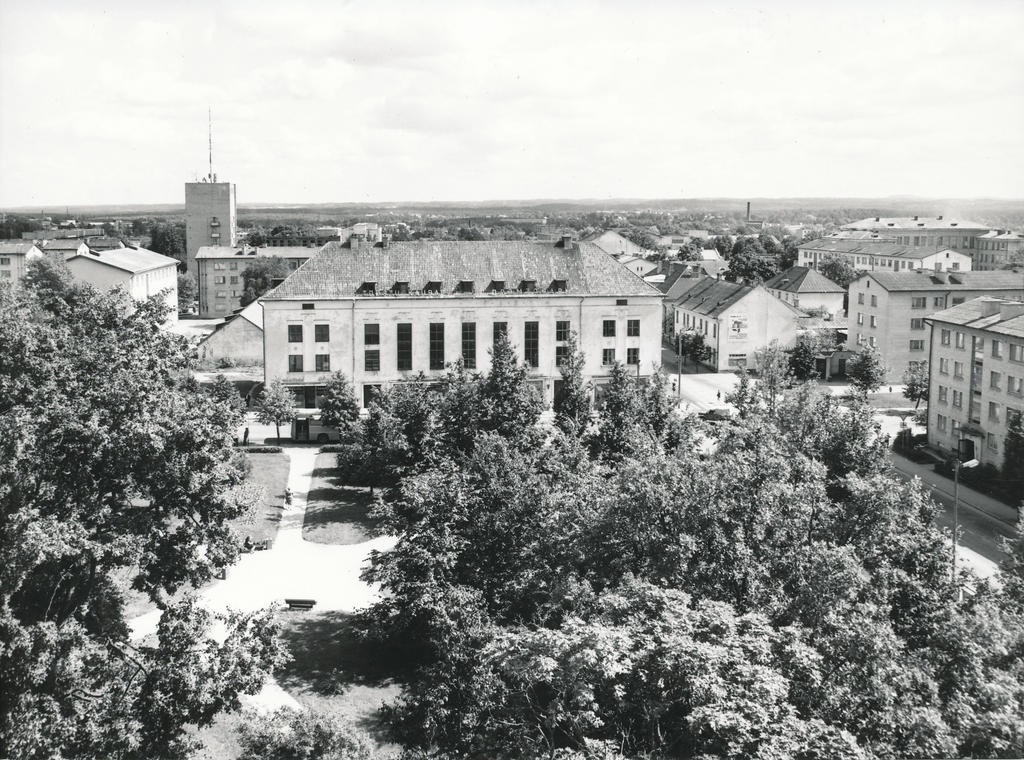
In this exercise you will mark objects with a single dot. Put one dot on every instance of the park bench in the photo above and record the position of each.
(300, 604)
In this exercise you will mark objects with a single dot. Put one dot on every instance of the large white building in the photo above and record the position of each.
(976, 372)
(386, 312)
(871, 255)
(139, 272)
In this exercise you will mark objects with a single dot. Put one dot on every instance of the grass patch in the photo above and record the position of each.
(336, 513)
(335, 670)
(271, 472)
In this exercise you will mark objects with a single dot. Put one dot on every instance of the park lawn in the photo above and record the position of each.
(336, 513)
(271, 472)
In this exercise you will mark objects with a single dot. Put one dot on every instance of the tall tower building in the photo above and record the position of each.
(209, 216)
(209, 212)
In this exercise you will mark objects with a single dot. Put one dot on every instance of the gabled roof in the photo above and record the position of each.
(15, 247)
(998, 315)
(134, 260)
(923, 279)
(803, 280)
(64, 244)
(245, 252)
(712, 297)
(343, 271)
(873, 248)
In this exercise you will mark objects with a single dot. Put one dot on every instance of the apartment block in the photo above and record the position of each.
(889, 310)
(872, 255)
(976, 376)
(219, 273)
(394, 312)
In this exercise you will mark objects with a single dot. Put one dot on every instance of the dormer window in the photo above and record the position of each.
(496, 286)
(464, 286)
(433, 286)
(401, 288)
(528, 286)
(367, 289)
(557, 286)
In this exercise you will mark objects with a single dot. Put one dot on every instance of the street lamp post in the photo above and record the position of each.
(957, 465)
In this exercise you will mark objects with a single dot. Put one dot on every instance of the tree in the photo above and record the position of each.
(50, 279)
(230, 400)
(622, 415)
(114, 471)
(276, 406)
(339, 408)
(773, 373)
(1013, 456)
(915, 380)
(809, 346)
(187, 291)
(304, 734)
(572, 403)
(866, 370)
(509, 405)
(750, 262)
(722, 244)
(168, 239)
(259, 276)
(838, 269)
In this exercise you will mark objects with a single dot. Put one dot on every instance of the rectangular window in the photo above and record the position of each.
(371, 335)
(404, 347)
(295, 363)
(940, 420)
(561, 352)
(997, 349)
(860, 298)
(995, 381)
(607, 356)
(469, 344)
(321, 333)
(500, 329)
(958, 370)
(872, 341)
(294, 333)
(633, 328)
(993, 411)
(918, 302)
(1015, 385)
(874, 321)
(234, 280)
(917, 324)
(943, 394)
(1016, 352)
(323, 362)
(946, 335)
(944, 366)
(531, 343)
(562, 330)
(371, 360)
(632, 356)
(874, 300)
(958, 399)
(437, 345)
(609, 328)
(220, 280)
(860, 318)
(958, 301)
(309, 307)
(992, 442)
(938, 302)
(960, 340)
(917, 345)
(5, 261)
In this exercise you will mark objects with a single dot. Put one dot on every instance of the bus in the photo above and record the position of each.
(307, 427)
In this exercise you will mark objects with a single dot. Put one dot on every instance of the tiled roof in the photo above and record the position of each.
(340, 270)
(233, 251)
(871, 248)
(803, 280)
(134, 260)
(63, 244)
(915, 223)
(15, 247)
(923, 279)
(711, 297)
(984, 313)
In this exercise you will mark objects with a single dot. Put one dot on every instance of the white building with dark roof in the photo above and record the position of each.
(976, 376)
(140, 272)
(384, 313)
(807, 290)
(924, 231)
(14, 258)
(873, 255)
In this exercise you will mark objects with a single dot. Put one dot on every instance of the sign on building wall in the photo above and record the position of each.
(737, 326)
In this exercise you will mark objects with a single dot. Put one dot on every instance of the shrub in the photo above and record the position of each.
(301, 735)
(225, 362)
(260, 449)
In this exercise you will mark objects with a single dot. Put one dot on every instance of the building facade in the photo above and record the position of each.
(807, 290)
(210, 217)
(736, 321)
(140, 273)
(385, 313)
(882, 256)
(936, 232)
(998, 249)
(14, 258)
(219, 273)
(238, 341)
(976, 374)
(889, 310)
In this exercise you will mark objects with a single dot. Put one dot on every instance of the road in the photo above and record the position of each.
(982, 523)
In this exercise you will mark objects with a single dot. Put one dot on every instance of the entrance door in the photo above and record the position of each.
(302, 429)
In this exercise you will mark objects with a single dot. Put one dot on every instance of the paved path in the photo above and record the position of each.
(293, 567)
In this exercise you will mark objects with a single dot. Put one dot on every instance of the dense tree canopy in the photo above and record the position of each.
(259, 276)
(838, 269)
(112, 466)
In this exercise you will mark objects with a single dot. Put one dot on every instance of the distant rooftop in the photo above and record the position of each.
(914, 223)
(867, 247)
(803, 280)
(924, 279)
(134, 260)
(999, 315)
(238, 251)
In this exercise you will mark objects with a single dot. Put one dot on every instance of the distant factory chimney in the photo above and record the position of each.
(748, 211)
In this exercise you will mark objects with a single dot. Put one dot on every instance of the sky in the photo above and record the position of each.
(318, 102)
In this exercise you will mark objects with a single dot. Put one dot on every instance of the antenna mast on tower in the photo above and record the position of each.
(209, 116)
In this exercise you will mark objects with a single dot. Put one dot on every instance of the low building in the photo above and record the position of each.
(638, 266)
(66, 247)
(807, 290)
(219, 273)
(736, 320)
(976, 376)
(888, 309)
(385, 313)
(998, 249)
(14, 258)
(141, 273)
(871, 255)
(615, 244)
(237, 342)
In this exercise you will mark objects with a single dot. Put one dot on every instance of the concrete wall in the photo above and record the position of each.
(346, 320)
(239, 341)
(830, 302)
(203, 202)
(139, 286)
(17, 264)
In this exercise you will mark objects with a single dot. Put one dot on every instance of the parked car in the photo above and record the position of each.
(719, 414)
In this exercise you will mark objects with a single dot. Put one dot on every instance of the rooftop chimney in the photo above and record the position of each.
(1010, 310)
(567, 241)
(915, 217)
